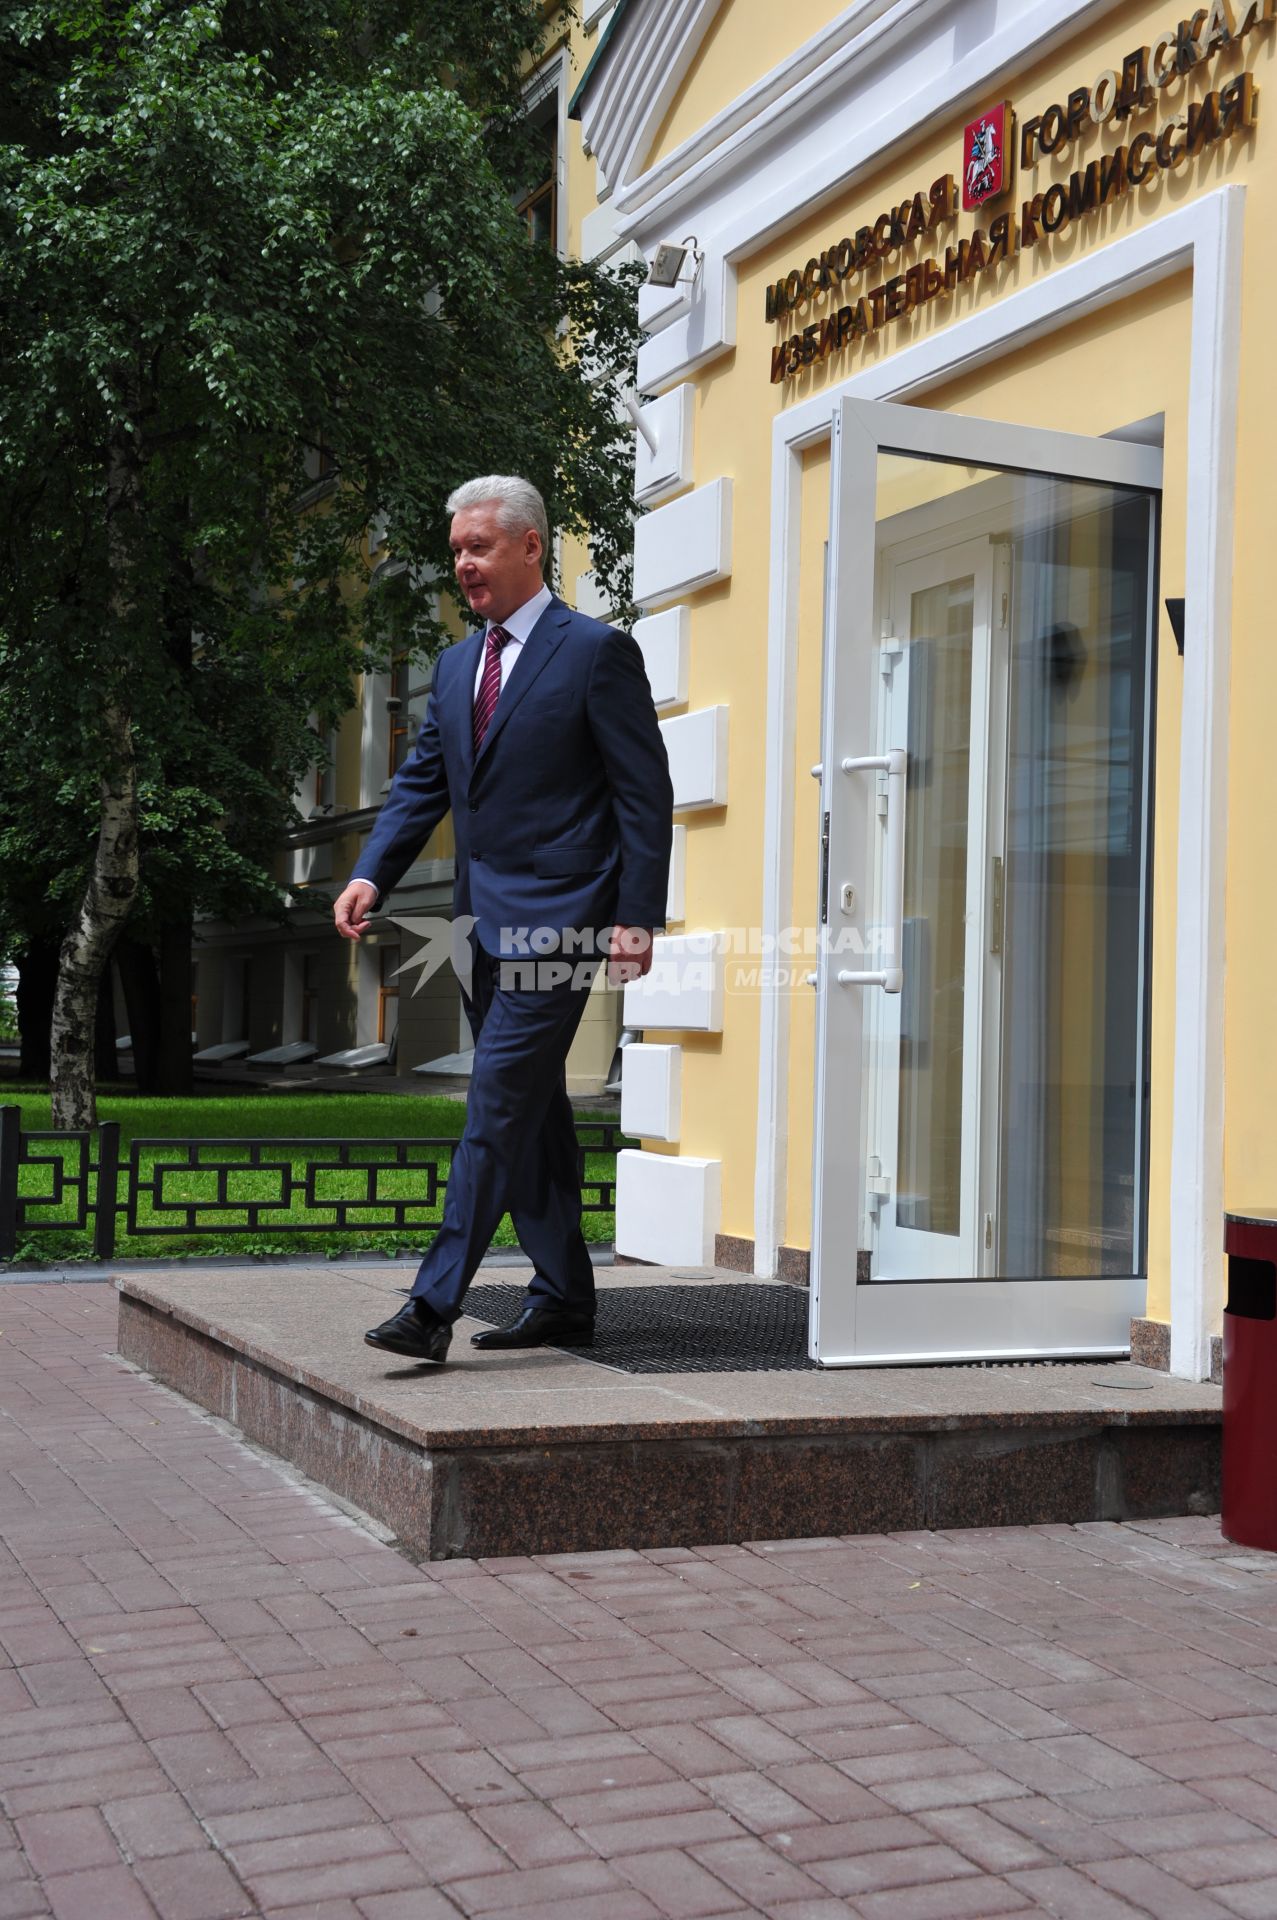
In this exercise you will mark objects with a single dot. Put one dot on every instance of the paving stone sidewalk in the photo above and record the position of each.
(222, 1696)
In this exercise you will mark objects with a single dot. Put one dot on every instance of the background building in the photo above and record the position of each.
(271, 985)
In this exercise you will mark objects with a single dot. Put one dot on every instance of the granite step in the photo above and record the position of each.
(550, 1451)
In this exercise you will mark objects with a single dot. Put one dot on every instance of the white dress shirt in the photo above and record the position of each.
(518, 626)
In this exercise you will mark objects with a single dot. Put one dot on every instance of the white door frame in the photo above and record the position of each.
(975, 1318)
(1206, 238)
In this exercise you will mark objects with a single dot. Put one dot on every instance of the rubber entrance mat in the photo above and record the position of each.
(736, 1328)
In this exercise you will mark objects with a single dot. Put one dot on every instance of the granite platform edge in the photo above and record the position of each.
(678, 1427)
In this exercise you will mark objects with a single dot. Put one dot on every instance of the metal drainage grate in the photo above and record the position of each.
(736, 1328)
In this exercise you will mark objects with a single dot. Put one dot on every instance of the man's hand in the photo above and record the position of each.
(629, 955)
(353, 907)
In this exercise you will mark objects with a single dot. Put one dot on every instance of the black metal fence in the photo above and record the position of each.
(83, 1183)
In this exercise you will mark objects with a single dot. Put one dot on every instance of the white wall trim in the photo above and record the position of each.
(1197, 1125)
(1206, 237)
(771, 1159)
(668, 469)
(668, 1207)
(664, 641)
(587, 598)
(684, 545)
(598, 232)
(696, 743)
(773, 100)
(682, 992)
(640, 74)
(652, 1091)
(676, 896)
(825, 131)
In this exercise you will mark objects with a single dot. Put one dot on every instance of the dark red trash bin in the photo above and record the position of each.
(1250, 1380)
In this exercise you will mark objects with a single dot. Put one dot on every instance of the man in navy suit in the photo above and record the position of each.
(541, 736)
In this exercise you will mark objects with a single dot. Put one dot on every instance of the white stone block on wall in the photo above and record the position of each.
(660, 307)
(684, 545)
(651, 1091)
(676, 894)
(588, 598)
(683, 989)
(667, 469)
(668, 1207)
(664, 640)
(598, 233)
(696, 743)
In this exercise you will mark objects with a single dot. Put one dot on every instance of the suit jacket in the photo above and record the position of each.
(563, 822)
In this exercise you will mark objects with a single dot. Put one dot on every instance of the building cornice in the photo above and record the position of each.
(634, 76)
(775, 99)
(811, 131)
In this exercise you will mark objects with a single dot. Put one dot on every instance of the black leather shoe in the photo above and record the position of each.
(415, 1330)
(539, 1327)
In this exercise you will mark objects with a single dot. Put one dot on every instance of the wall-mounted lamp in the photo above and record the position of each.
(666, 269)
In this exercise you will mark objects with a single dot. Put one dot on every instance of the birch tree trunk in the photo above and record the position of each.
(103, 908)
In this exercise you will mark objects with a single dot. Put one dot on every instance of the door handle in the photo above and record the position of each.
(894, 763)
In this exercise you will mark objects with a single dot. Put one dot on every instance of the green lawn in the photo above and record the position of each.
(179, 1195)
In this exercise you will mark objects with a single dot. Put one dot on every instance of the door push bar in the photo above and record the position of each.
(894, 764)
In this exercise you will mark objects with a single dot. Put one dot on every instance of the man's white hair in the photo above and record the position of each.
(520, 503)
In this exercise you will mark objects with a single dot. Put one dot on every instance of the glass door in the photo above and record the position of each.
(981, 1096)
(922, 1177)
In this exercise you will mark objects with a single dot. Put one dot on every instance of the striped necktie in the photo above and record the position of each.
(485, 701)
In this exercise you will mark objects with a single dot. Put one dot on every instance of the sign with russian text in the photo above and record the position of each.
(989, 144)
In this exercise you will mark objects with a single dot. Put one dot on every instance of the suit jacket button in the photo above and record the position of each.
(474, 806)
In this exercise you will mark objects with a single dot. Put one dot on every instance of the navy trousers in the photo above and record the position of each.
(518, 1153)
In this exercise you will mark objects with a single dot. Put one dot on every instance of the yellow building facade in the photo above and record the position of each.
(955, 588)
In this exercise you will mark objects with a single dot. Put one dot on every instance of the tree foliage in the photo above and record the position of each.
(262, 281)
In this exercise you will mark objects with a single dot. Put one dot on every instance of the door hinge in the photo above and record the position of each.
(877, 1183)
(890, 649)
